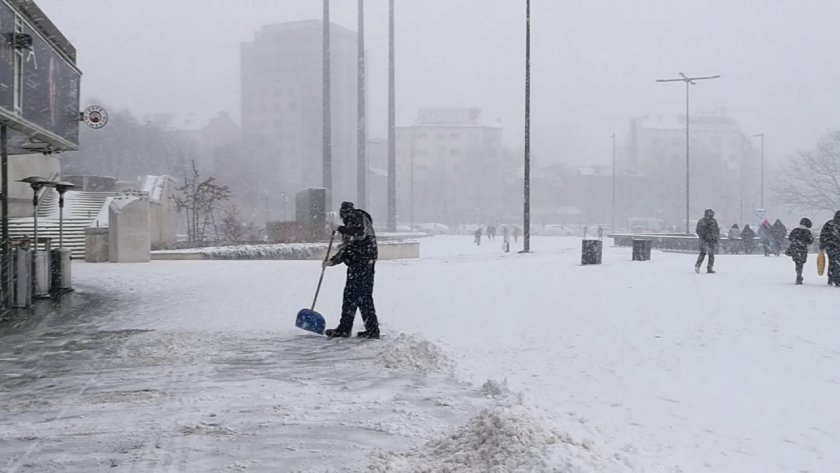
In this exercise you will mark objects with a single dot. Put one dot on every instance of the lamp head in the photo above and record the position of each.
(64, 186)
(36, 182)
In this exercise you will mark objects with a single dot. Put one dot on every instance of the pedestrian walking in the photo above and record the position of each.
(709, 233)
(477, 235)
(734, 238)
(800, 240)
(748, 240)
(778, 232)
(765, 237)
(359, 252)
(830, 244)
(516, 233)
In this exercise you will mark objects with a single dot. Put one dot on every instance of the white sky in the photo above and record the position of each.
(594, 63)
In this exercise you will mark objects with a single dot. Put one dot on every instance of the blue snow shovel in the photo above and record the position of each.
(308, 319)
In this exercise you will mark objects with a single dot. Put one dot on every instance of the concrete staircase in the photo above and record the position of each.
(80, 212)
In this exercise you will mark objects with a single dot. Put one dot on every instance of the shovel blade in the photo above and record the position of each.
(310, 321)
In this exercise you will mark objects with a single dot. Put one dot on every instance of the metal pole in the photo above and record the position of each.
(411, 179)
(35, 247)
(689, 81)
(61, 219)
(361, 136)
(327, 107)
(526, 237)
(4, 208)
(613, 182)
(761, 135)
(392, 146)
(687, 162)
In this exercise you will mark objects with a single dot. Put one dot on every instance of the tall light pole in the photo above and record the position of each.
(326, 132)
(613, 183)
(361, 135)
(761, 135)
(392, 134)
(526, 234)
(689, 81)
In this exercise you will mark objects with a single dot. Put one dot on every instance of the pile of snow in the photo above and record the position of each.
(267, 251)
(412, 353)
(503, 440)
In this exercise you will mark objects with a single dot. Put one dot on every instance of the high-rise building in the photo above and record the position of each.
(282, 103)
(452, 166)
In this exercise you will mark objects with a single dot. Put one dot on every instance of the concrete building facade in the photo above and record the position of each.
(455, 165)
(282, 102)
(724, 166)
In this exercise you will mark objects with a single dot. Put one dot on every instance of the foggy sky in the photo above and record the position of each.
(594, 63)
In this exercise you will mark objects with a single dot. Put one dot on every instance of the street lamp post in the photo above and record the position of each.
(688, 82)
(613, 183)
(526, 231)
(36, 183)
(62, 187)
(761, 135)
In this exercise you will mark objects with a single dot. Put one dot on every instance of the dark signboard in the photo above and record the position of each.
(7, 57)
(50, 89)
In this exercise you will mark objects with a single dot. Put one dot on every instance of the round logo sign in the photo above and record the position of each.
(95, 116)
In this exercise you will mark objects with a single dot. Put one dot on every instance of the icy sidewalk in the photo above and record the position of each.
(182, 367)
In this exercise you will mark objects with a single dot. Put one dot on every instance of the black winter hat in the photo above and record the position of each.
(346, 205)
(805, 222)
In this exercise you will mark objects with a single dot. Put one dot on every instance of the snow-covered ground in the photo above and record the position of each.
(491, 362)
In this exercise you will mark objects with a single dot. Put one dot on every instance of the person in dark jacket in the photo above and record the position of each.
(778, 232)
(830, 243)
(800, 240)
(734, 238)
(709, 233)
(477, 236)
(764, 237)
(359, 252)
(748, 239)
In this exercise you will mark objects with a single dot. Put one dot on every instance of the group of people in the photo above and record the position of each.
(772, 239)
(491, 234)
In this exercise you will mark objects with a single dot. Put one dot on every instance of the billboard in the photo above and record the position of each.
(41, 104)
(50, 89)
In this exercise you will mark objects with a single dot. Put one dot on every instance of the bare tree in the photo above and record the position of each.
(811, 180)
(200, 198)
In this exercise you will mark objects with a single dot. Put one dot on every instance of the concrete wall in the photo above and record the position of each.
(96, 245)
(129, 237)
(163, 216)
(25, 165)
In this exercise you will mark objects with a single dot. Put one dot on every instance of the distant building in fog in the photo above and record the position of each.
(459, 170)
(282, 102)
(724, 166)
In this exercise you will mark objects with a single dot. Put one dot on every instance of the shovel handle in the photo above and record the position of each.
(323, 268)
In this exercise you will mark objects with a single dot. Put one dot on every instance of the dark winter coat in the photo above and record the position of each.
(708, 229)
(778, 231)
(800, 240)
(747, 233)
(358, 239)
(764, 232)
(830, 234)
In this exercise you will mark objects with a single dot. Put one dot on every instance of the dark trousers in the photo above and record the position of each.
(706, 247)
(358, 294)
(800, 263)
(833, 255)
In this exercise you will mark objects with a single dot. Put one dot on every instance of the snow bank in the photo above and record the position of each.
(412, 353)
(503, 440)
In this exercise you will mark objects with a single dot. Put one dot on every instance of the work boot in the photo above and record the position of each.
(799, 280)
(368, 334)
(697, 268)
(336, 333)
(710, 271)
